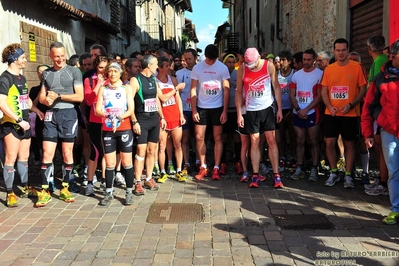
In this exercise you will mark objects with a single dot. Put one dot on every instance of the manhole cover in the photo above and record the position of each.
(302, 221)
(173, 213)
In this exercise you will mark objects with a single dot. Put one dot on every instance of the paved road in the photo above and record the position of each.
(238, 228)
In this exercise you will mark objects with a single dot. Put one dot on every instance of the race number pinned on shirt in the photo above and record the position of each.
(211, 88)
(169, 102)
(150, 105)
(188, 104)
(24, 102)
(303, 96)
(339, 92)
(48, 116)
(284, 88)
(257, 90)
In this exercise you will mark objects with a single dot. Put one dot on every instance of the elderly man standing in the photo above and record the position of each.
(382, 104)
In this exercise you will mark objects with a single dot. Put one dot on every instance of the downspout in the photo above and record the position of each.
(279, 30)
(129, 29)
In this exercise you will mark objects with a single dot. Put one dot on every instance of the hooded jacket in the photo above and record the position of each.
(382, 103)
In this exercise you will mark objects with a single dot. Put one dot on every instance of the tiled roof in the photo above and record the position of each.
(65, 8)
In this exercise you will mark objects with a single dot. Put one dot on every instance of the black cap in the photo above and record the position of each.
(242, 51)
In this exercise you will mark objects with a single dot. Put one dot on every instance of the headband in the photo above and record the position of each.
(116, 66)
(11, 58)
(227, 56)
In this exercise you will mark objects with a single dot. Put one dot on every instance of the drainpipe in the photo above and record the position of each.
(279, 30)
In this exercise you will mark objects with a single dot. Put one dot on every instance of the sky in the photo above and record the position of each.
(207, 15)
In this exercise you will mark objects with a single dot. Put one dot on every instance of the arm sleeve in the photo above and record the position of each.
(89, 96)
(367, 119)
(3, 85)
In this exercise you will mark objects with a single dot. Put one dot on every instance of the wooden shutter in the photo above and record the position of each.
(366, 21)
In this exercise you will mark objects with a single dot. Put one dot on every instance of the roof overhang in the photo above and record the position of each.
(220, 32)
(185, 4)
(64, 9)
(96, 20)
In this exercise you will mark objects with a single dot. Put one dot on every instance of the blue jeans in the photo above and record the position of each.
(390, 148)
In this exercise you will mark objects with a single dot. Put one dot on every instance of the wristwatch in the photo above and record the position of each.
(297, 109)
(19, 120)
(59, 97)
(134, 122)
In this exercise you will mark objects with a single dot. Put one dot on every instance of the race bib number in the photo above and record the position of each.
(303, 96)
(150, 105)
(211, 88)
(256, 94)
(257, 90)
(48, 116)
(169, 102)
(284, 88)
(24, 102)
(339, 92)
(112, 111)
(188, 104)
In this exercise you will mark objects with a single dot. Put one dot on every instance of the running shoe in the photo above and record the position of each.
(348, 183)
(43, 199)
(277, 181)
(171, 169)
(298, 174)
(223, 169)
(313, 175)
(202, 173)
(365, 178)
(162, 178)
(119, 179)
(244, 177)
(138, 189)
(332, 179)
(106, 201)
(129, 198)
(239, 169)
(12, 200)
(262, 178)
(180, 177)
(255, 182)
(155, 170)
(377, 191)
(89, 190)
(372, 185)
(186, 170)
(29, 192)
(66, 196)
(78, 170)
(151, 185)
(215, 174)
(392, 218)
(73, 186)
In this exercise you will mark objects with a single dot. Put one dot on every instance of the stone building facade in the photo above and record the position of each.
(296, 25)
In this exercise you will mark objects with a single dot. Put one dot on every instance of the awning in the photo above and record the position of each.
(185, 4)
(64, 9)
(96, 20)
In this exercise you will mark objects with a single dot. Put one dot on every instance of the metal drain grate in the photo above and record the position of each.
(173, 213)
(303, 221)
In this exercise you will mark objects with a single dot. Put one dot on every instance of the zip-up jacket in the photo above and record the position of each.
(382, 103)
